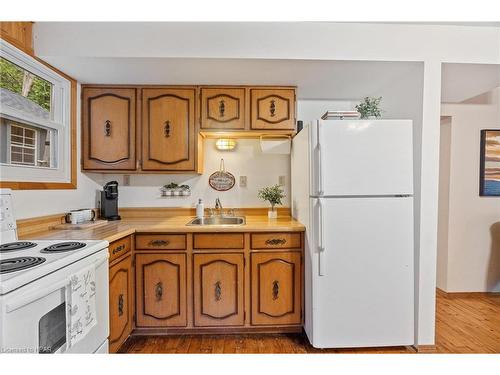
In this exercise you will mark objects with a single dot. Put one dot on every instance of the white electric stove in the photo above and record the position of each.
(23, 262)
(34, 279)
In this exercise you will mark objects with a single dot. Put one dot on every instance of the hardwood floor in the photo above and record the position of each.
(465, 323)
(468, 323)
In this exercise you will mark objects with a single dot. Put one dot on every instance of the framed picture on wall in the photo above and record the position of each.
(489, 175)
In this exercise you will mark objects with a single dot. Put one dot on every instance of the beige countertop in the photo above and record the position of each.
(115, 230)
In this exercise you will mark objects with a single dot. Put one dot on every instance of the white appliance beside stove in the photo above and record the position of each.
(34, 281)
(352, 186)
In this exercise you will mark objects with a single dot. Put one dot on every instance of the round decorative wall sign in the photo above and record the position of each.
(221, 180)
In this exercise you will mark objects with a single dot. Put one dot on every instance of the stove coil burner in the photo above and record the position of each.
(13, 246)
(62, 247)
(19, 263)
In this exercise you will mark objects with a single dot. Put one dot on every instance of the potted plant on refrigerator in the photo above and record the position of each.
(274, 195)
(369, 108)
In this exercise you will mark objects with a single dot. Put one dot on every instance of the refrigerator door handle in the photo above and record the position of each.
(321, 247)
(319, 172)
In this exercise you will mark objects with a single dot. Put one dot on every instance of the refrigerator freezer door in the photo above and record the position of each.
(366, 294)
(363, 157)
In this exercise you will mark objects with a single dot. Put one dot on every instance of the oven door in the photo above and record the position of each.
(34, 317)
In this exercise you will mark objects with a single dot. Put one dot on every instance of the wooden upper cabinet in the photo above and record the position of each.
(218, 290)
(20, 34)
(161, 290)
(109, 128)
(272, 108)
(121, 302)
(222, 108)
(168, 129)
(276, 288)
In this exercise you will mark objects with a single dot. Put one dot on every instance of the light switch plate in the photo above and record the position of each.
(126, 180)
(243, 181)
(282, 180)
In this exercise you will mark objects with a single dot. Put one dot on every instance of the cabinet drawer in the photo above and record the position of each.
(275, 241)
(218, 241)
(118, 248)
(160, 241)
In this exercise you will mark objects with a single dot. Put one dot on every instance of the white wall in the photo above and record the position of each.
(311, 110)
(246, 160)
(473, 256)
(31, 203)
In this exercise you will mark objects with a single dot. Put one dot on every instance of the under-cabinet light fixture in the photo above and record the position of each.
(225, 144)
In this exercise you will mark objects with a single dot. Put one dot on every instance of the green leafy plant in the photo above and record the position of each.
(272, 194)
(369, 107)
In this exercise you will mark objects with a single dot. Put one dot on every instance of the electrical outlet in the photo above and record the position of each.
(243, 181)
(282, 180)
(126, 180)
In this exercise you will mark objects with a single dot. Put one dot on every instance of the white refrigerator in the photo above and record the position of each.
(352, 187)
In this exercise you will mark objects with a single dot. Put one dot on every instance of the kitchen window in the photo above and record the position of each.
(35, 123)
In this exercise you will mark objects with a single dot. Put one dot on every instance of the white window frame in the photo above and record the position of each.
(60, 171)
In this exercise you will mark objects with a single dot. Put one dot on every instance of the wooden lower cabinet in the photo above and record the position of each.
(276, 288)
(205, 282)
(161, 290)
(218, 290)
(121, 302)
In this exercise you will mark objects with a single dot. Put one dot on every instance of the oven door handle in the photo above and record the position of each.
(36, 295)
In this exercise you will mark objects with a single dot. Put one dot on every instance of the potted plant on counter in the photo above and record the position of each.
(274, 195)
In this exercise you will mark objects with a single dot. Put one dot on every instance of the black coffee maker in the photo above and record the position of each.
(109, 201)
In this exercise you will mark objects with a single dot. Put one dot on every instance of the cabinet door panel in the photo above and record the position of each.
(222, 108)
(218, 289)
(121, 305)
(19, 34)
(273, 109)
(109, 128)
(161, 286)
(168, 129)
(276, 288)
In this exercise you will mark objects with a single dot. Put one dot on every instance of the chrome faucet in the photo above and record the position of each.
(218, 206)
